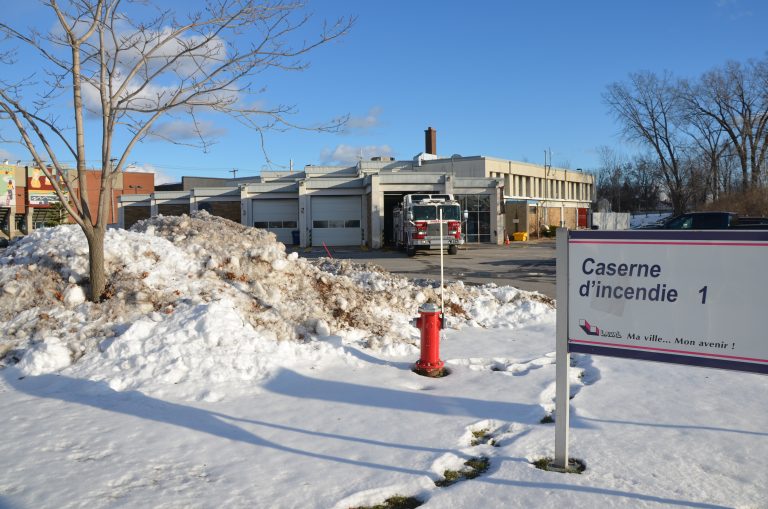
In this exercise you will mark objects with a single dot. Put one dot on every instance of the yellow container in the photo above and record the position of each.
(520, 236)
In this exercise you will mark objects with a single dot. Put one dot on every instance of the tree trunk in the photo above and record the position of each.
(744, 171)
(755, 176)
(96, 262)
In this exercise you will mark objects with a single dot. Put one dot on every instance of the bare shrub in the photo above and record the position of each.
(753, 202)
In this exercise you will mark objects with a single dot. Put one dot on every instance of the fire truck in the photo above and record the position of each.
(417, 223)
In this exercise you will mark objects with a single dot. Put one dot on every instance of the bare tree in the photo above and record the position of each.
(644, 175)
(649, 112)
(711, 143)
(129, 64)
(610, 176)
(629, 185)
(735, 97)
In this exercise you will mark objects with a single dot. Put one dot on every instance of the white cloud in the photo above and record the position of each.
(134, 46)
(188, 68)
(348, 154)
(365, 122)
(179, 130)
(160, 177)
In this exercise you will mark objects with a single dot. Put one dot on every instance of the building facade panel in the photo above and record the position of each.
(226, 209)
(280, 216)
(337, 220)
(134, 213)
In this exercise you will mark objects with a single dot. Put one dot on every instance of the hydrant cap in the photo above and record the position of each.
(429, 307)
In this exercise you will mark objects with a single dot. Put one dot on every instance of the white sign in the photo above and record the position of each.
(688, 297)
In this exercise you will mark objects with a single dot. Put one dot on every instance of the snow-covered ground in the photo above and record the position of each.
(221, 372)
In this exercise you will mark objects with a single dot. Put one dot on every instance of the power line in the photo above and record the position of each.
(159, 166)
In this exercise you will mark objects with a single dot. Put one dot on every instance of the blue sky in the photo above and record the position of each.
(508, 79)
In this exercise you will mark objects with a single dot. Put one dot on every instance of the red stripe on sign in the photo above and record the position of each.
(650, 349)
(663, 243)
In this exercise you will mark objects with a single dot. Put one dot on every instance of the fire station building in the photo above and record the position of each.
(353, 205)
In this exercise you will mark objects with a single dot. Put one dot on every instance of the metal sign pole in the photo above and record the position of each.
(442, 284)
(562, 357)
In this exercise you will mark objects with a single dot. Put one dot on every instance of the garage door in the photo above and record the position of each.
(336, 220)
(278, 216)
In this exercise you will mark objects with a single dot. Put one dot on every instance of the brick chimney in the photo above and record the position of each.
(430, 141)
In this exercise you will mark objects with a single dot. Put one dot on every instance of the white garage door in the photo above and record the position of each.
(336, 220)
(278, 216)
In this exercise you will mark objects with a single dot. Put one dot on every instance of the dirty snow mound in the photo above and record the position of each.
(201, 297)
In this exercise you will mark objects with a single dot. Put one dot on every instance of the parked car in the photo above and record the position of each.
(709, 221)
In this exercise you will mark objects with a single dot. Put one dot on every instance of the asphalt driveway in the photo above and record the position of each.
(525, 265)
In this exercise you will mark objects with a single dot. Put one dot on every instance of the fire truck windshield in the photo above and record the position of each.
(451, 212)
(429, 212)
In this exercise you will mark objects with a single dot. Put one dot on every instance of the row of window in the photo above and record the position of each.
(331, 223)
(276, 224)
(337, 223)
(477, 228)
(475, 202)
(520, 185)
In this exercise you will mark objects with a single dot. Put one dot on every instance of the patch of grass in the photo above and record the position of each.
(473, 467)
(483, 436)
(477, 466)
(480, 436)
(432, 373)
(396, 502)
(449, 477)
(547, 419)
(575, 466)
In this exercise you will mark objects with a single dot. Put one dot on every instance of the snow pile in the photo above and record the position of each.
(207, 349)
(202, 298)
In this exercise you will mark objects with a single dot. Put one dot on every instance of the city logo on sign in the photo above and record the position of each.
(590, 330)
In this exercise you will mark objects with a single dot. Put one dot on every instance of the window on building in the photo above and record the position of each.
(478, 224)
(274, 225)
(336, 223)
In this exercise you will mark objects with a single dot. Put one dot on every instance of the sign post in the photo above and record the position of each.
(562, 356)
(692, 297)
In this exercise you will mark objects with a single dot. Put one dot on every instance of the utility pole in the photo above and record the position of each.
(233, 171)
(112, 182)
(27, 206)
(547, 170)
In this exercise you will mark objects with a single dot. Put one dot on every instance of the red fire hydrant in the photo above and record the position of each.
(429, 323)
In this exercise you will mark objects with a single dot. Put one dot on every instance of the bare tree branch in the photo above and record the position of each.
(130, 64)
(649, 112)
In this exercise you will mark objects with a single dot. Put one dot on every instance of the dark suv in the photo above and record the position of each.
(709, 221)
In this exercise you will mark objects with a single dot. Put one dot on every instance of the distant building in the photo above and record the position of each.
(352, 205)
(34, 199)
